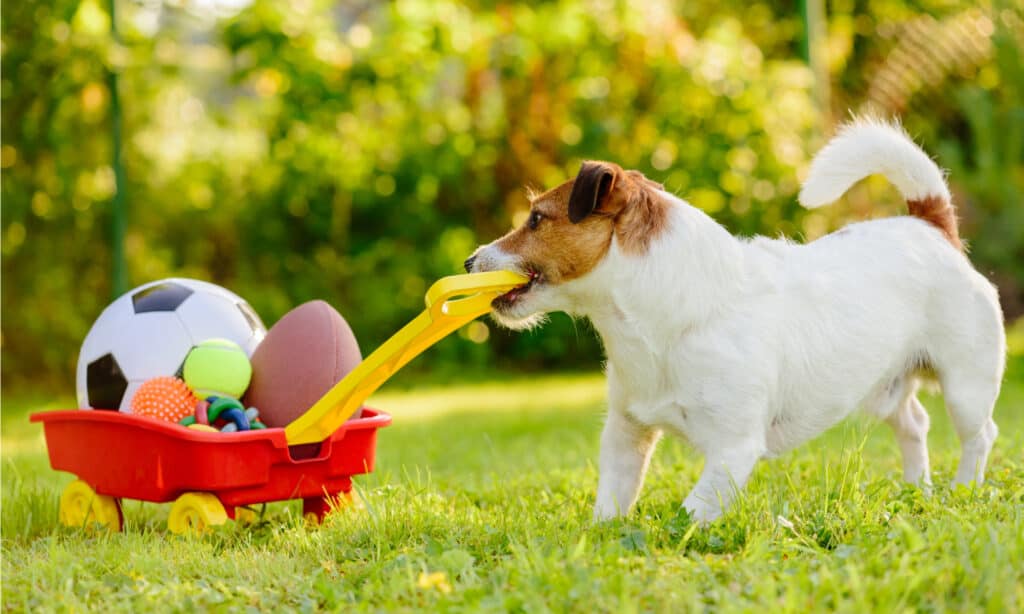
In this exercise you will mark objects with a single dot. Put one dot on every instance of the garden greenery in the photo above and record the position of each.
(357, 151)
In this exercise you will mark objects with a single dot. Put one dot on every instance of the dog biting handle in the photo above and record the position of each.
(444, 313)
(483, 288)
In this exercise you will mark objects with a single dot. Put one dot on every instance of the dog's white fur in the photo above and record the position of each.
(749, 347)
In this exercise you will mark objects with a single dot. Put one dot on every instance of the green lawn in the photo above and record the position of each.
(481, 501)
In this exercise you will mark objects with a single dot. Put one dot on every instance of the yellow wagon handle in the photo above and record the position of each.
(444, 314)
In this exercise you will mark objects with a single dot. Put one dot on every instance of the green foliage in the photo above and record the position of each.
(992, 170)
(356, 152)
(489, 510)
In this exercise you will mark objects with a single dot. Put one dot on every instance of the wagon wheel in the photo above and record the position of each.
(80, 506)
(195, 512)
(246, 515)
(314, 509)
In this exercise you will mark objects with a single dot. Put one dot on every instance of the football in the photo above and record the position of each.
(149, 331)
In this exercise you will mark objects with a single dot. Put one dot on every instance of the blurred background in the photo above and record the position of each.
(356, 151)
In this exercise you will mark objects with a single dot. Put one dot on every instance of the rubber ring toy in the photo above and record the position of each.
(187, 421)
(236, 418)
(220, 404)
(253, 415)
(201, 409)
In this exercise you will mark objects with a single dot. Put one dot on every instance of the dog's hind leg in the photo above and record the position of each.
(970, 399)
(910, 422)
(969, 360)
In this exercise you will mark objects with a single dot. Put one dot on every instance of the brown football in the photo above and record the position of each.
(309, 350)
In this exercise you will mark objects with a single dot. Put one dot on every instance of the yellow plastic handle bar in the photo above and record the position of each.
(444, 314)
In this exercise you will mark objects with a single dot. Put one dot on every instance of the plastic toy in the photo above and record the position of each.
(165, 398)
(308, 350)
(236, 420)
(217, 367)
(219, 405)
(202, 412)
(209, 476)
(206, 428)
(444, 314)
(231, 412)
(253, 416)
(214, 411)
(147, 333)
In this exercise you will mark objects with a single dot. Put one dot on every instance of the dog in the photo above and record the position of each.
(749, 347)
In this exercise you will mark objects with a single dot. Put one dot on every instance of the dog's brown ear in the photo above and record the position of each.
(642, 180)
(593, 184)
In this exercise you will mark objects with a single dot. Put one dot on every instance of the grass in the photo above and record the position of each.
(481, 502)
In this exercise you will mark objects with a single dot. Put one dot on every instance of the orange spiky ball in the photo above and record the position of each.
(166, 398)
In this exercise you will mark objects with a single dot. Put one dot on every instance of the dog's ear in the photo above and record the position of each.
(642, 180)
(592, 186)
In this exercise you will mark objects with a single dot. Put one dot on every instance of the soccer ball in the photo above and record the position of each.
(149, 331)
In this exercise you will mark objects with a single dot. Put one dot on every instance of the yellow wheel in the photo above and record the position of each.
(195, 512)
(80, 506)
(244, 515)
(351, 501)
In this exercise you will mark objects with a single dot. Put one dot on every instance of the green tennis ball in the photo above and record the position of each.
(217, 367)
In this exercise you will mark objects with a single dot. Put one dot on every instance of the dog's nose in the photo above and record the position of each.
(469, 264)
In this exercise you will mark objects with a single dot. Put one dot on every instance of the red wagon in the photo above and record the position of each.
(211, 476)
(208, 476)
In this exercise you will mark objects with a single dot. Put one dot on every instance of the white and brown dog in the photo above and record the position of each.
(749, 347)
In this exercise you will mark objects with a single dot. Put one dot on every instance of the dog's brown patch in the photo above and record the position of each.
(645, 216)
(940, 213)
(627, 208)
(557, 248)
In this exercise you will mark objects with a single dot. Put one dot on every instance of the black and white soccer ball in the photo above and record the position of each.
(147, 333)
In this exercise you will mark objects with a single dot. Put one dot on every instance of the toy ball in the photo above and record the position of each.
(166, 398)
(308, 351)
(217, 367)
(149, 331)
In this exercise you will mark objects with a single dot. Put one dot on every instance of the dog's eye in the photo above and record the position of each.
(535, 217)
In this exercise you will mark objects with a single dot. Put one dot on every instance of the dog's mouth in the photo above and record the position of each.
(512, 296)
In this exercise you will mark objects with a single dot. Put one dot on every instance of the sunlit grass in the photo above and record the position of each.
(481, 501)
(517, 395)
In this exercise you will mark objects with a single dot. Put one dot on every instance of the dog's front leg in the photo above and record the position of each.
(726, 471)
(626, 448)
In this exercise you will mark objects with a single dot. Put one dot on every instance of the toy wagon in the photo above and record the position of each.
(211, 477)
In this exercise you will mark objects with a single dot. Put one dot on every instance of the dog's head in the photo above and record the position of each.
(567, 234)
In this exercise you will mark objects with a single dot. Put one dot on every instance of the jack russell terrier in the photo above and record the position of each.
(749, 347)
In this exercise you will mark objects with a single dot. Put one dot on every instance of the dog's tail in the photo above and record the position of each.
(866, 147)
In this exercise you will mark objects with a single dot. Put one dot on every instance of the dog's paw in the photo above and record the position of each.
(605, 512)
(701, 513)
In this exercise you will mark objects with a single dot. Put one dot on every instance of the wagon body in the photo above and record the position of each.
(134, 457)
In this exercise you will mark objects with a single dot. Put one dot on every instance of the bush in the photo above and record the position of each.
(357, 152)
